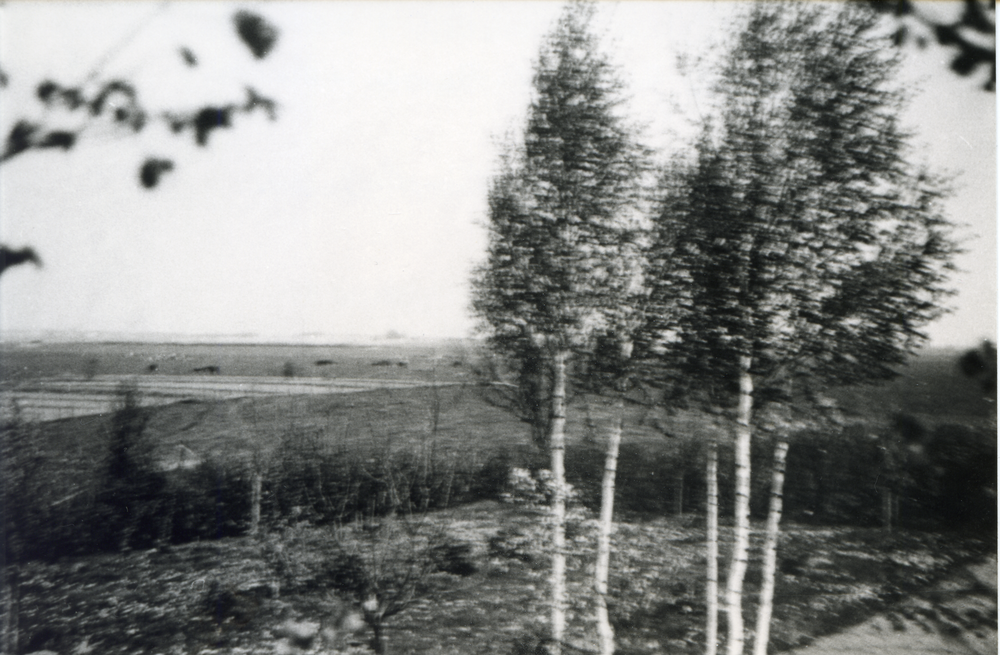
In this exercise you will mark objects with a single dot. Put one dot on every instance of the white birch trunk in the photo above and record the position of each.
(605, 633)
(712, 576)
(557, 448)
(741, 537)
(763, 632)
(256, 485)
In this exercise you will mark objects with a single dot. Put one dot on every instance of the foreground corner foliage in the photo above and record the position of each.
(116, 103)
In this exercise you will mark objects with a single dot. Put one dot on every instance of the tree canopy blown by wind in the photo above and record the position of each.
(564, 249)
(971, 34)
(808, 249)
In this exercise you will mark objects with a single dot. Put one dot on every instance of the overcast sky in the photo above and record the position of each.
(362, 208)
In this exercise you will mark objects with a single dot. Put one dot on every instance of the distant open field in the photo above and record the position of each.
(57, 381)
(931, 386)
(52, 381)
(50, 399)
(402, 360)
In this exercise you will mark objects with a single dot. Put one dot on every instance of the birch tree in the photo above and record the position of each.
(671, 335)
(813, 250)
(562, 213)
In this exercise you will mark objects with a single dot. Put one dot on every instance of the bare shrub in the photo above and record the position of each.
(380, 566)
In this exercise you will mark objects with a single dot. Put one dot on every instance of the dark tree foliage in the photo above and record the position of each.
(152, 169)
(565, 247)
(117, 102)
(188, 57)
(972, 34)
(562, 248)
(809, 240)
(981, 365)
(258, 35)
(132, 490)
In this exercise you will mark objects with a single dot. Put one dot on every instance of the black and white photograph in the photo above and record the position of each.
(498, 327)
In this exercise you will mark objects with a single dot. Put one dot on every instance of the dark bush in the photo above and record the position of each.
(833, 477)
(130, 499)
(512, 543)
(210, 501)
(943, 478)
(454, 557)
(39, 518)
(344, 572)
(310, 481)
(489, 482)
(225, 604)
(647, 478)
(531, 643)
(958, 480)
(133, 503)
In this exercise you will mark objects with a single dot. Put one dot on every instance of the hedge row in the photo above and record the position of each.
(132, 503)
(946, 479)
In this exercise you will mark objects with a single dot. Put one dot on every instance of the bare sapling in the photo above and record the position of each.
(257, 462)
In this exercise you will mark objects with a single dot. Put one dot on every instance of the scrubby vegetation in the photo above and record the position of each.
(229, 595)
(125, 499)
(945, 478)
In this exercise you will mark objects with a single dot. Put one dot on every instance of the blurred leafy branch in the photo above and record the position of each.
(972, 33)
(116, 102)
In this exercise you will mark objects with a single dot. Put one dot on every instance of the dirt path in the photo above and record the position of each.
(958, 616)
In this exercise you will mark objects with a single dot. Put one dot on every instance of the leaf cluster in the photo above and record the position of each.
(565, 237)
(972, 34)
(117, 102)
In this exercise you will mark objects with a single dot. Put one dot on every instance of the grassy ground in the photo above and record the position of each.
(229, 431)
(218, 597)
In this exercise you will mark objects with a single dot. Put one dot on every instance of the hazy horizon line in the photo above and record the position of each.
(300, 339)
(248, 338)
